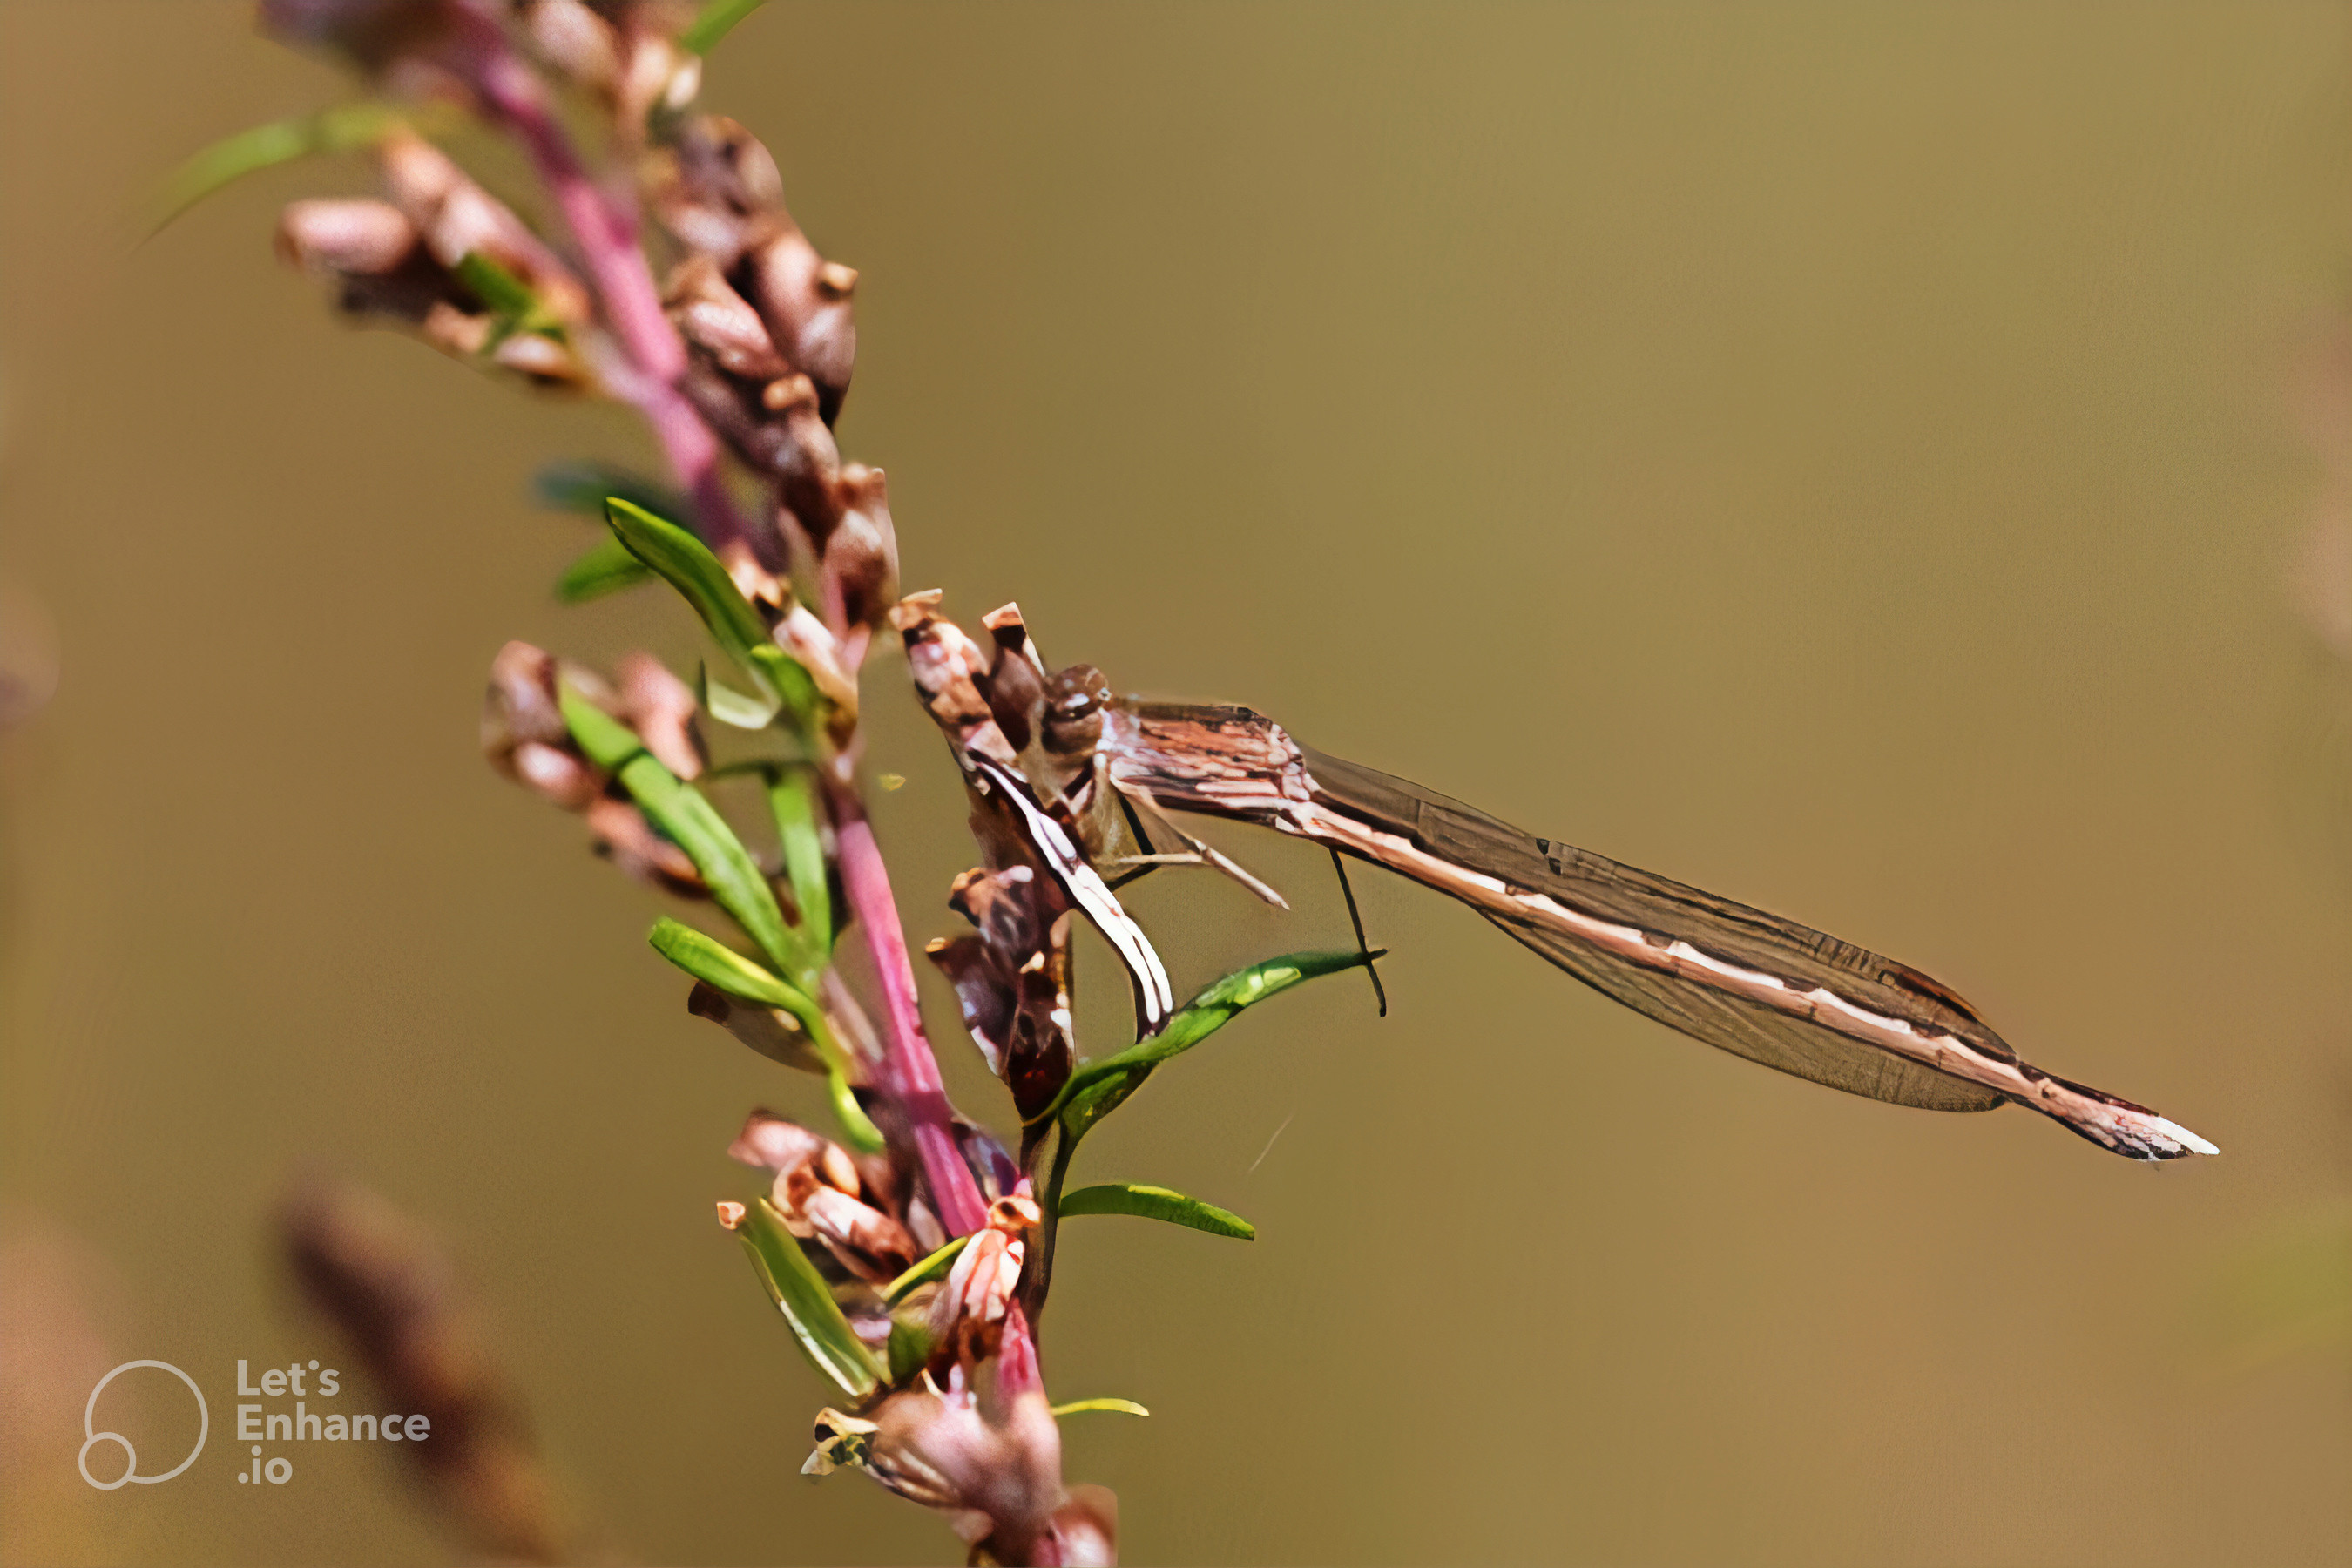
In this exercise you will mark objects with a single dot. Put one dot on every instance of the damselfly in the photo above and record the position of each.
(1089, 778)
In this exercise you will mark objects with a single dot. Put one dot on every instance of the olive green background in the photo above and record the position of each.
(1838, 455)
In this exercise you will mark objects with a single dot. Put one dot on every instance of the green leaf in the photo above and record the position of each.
(729, 706)
(507, 295)
(931, 1268)
(858, 1129)
(1097, 1089)
(716, 964)
(1121, 1406)
(713, 22)
(580, 485)
(687, 819)
(909, 1348)
(698, 575)
(792, 794)
(607, 568)
(1157, 1203)
(336, 129)
(515, 307)
(800, 1293)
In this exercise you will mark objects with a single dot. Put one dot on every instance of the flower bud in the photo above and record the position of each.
(525, 737)
(711, 316)
(365, 238)
(662, 709)
(459, 218)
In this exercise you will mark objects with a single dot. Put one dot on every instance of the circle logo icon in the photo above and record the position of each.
(90, 1437)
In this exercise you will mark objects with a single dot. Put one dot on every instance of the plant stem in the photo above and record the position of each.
(604, 227)
(910, 1071)
(1037, 1276)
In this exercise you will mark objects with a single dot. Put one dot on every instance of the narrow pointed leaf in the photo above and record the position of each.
(800, 1293)
(932, 1267)
(909, 1348)
(1157, 1203)
(335, 129)
(690, 821)
(606, 568)
(1121, 1406)
(690, 568)
(579, 485)
(608, 743)
(716, 964)
(731, 707)
(514, 306)
(792, 795)
(713, 22)
(1097, 1089)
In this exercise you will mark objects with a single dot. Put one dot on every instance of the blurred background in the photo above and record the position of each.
(1860, 459)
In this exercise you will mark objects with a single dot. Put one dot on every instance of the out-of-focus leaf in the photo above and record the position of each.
(800, 1293)
(716, 965)
(681, 813)
(713, 22)
(607, 741)
(606, 568)
(734, 624)
(792, 794)
(1097, 1089)
(1121, 1406)
(515, 307)
(1157, 1203)
(336, 129)
(580, 485)
(909, 1348)
(931, 1268)
(731, 707)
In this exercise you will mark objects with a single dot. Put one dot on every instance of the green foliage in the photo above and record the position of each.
(681, 814)
(580, 486)
(800, 1293)
(1097, 1089)
(716, 965)
(731, 707)
(514, 306)
(909, 1348)
(340, 129)
(1119, 1406)
(699, 577)
(713, 22)
(932, 1267)
(606, 568)
(792, 797)
(1157, 1203)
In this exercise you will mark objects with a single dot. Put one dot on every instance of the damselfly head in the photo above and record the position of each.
(1074, 705)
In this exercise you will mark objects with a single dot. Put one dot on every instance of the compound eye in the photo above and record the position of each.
(1078, 691)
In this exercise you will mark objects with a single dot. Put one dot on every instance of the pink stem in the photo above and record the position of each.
(605, 229)
(910, 1071)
